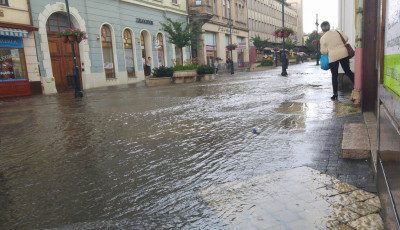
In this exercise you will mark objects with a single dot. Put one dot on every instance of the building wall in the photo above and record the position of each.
(90, 15)
(211, 12)
(298, 5)
(16, 12)
(347, 25)
(265, 16)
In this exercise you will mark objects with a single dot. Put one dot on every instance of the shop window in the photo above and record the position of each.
(128, 48)
(107, 47)
(12, 64)
(4, 2)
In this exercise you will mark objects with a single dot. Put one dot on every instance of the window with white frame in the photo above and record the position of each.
(107, 47)
(198, 2)
(175, 1)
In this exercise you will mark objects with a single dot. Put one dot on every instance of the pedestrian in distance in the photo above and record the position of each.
(216, 66)
(332, 44)
(228, 62)
(148, 64)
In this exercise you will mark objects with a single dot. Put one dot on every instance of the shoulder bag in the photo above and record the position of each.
(350, 50)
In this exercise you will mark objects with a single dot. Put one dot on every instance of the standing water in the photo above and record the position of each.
(136, 157)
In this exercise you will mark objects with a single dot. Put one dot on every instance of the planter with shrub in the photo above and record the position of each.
(184, 73)
(161, 76)
(206, 72)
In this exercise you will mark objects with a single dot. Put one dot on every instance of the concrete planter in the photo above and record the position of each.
(205, 77)
(184, 76)
(158, 81)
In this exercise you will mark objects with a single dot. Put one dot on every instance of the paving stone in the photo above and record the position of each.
(372, 221)
(288, 199)
(361, 195)
(341, 199)
(362, 208)
(355, 143)
(374, 202)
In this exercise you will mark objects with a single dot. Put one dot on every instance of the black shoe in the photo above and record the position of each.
(334, 98)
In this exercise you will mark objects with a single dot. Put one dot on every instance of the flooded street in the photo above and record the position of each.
(132, 157)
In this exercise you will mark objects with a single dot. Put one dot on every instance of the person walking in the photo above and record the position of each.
(216, 66)
(332, 44)
(148, 64)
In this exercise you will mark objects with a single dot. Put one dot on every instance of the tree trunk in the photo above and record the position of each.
(181, 55)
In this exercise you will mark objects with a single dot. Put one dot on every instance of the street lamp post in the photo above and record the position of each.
(316, 23)
(284, 73)
(75, 70)
(230, 25)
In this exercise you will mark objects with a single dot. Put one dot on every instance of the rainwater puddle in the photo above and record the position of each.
(136, 157)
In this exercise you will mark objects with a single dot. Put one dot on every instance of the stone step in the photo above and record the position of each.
(356, 144)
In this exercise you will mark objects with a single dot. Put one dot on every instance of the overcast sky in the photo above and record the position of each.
(327, 10)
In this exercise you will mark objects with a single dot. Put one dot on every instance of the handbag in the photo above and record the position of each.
(324, 61)
(350, 50)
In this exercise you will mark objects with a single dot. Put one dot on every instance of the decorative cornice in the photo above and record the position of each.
(156, 6)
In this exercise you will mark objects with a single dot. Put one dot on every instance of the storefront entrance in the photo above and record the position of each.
(13, 75)
(61, 53)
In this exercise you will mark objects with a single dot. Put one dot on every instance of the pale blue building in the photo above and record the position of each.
(121, 35)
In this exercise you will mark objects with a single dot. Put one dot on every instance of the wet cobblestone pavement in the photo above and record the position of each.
(136, 157)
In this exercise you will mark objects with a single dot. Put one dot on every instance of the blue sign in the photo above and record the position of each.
(11, 42)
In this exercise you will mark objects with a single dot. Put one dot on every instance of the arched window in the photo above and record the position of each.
(107, 47)
(128, 48)
(57, 22)
(160, 49)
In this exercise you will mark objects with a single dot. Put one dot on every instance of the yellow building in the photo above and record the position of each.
(265, 16)
(19, 72)
(211, 46)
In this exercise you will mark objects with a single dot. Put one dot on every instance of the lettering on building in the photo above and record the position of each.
(226, 30)
(144, 21)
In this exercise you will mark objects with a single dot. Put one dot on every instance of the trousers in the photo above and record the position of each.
(334, 67)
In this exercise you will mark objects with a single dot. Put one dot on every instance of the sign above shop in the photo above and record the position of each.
(226, 30)
(144, 21)
(242, 45)
(11, 42)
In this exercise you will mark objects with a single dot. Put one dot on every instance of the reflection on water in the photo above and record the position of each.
(134, 157)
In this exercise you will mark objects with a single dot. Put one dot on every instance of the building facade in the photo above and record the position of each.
(265, 16)
(122, 34)
(374, 30)
(19, 72)
(298, 6)
(211, 45)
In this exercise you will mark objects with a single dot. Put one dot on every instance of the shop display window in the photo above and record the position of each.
(12, 64)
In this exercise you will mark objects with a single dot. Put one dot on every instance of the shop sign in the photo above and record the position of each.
(11, 42)
(227, 30)
(242, 46)
(144, 21)
(210, 48)
(391, 72)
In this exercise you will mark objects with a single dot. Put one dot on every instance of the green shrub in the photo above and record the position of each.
(163, 71)
(206, 69)
(266, 63)
(185, 67)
